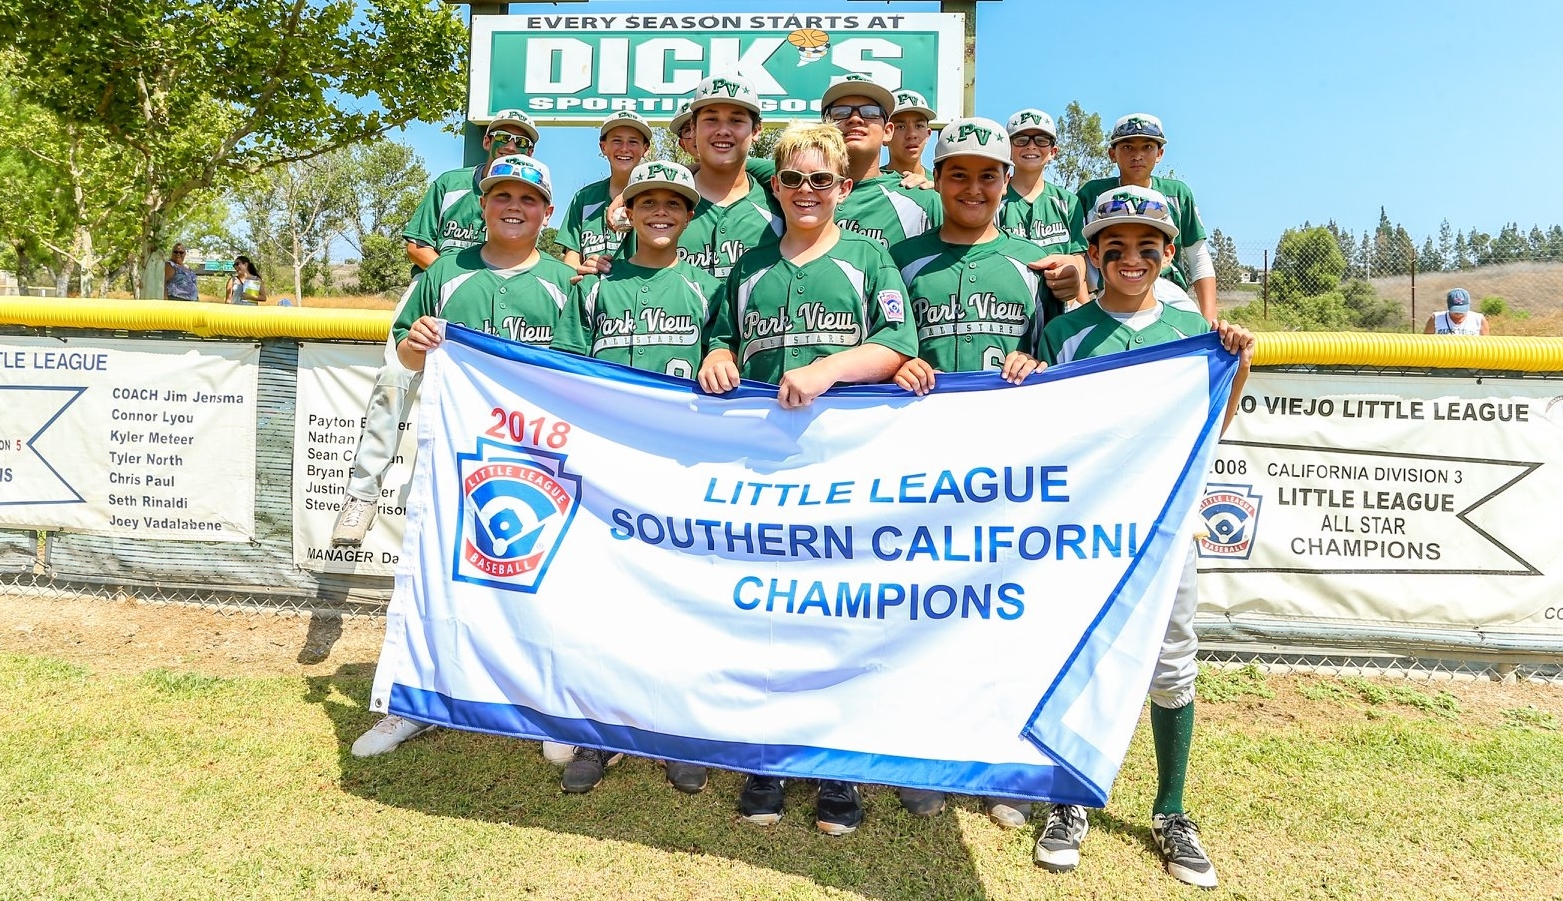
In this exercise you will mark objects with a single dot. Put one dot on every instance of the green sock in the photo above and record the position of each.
(1173, 732)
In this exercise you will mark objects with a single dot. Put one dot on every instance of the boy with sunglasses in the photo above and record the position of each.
(1136, 145)
(1132, 233)
(823, 306)
(1035, 209)
(624, 138)
(878, 207)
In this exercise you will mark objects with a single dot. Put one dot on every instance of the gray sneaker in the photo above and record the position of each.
(1178, 838)
(1058, 847)
(585, 772)
(352, 524)
(387, 735)
(1007, 813)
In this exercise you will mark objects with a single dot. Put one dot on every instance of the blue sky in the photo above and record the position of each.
(1276, 113)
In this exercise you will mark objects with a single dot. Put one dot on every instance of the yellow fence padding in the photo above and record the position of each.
(1510, 354)
(210, 320)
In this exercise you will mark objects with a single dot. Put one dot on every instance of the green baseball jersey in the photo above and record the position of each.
(719, 236)
(585, 228)
(448, 217)
(974, 303)
(522, 305)
(1090, 331)
(1053, 221)
(653, 319)
(881, 209)
(776, 316)
(1185, 215)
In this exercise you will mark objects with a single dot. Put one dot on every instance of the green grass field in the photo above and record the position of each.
(169, 784)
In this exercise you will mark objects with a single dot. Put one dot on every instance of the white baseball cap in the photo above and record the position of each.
(1130, 203)
(681, 118)
(729, 88)
(1137, 125)
(518, 167)
(911, 102)
(1032, 119)
(861, 85)
(627, 119)
(972, 136)
(515, 117)
(660, 174)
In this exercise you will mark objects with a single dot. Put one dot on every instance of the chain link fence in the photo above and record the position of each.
(1320, 278)
(261, 577)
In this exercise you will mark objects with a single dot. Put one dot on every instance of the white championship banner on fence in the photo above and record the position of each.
(1414, 501)
(145, 439)
(334, 384)
(964, 591)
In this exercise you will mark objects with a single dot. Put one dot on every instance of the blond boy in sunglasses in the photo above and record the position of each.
(1136, 145)
(1132, 234)
(821, 307)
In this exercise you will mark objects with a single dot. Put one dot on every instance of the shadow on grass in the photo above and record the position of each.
(505, 780)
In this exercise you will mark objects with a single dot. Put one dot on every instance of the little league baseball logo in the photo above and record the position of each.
(516, 506)
(1231, 513)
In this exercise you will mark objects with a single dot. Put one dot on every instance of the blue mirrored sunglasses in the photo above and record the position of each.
(529, 174)
(1119, 206)
(1138, 128)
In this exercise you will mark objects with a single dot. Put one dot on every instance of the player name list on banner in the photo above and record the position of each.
(1389, 500)
(334, 384)
(154, 439)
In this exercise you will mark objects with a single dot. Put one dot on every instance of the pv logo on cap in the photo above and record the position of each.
(517, 503)
(972, 130)
(722, 85)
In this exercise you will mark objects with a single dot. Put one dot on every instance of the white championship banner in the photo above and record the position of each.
(1415, 501)
(150, 439)
(964, 591)
(334, 384)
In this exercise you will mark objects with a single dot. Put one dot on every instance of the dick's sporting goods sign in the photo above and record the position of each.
(573, 69)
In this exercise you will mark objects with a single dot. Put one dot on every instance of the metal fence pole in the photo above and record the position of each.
(1264, 283)
(1413, 290)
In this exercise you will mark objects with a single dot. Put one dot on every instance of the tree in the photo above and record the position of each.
(1229, 269)
(201, 94)
(1537, 244)
(1428, 259)
(294, 212)
(1462, 251)
(385, 182)
(1446, 245)
(1308, 263)
(1082, 148)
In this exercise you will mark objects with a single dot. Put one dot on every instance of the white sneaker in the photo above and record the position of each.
(387, 735)
(1058, 847)
(352, 524)
(1178, 839)
(558, 754)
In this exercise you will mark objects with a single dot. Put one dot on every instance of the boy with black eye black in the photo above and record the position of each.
(1131, 232)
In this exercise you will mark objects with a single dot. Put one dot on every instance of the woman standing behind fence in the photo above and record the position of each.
(178, 279)
(244, 286)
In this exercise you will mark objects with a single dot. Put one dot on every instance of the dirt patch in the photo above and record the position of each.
(133, 637)
(128, 637)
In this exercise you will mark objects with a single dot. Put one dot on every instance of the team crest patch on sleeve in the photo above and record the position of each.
(516, 506)
(891, 304)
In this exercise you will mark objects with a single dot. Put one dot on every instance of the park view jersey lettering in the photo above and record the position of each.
(449, 216)
(719, 236)
(1091, 331)
(881, 209)
(974, 303)
(776, 316)
(1185, 215)
(654, 319)
(585, 228)
(1053, 221)
(460, 287)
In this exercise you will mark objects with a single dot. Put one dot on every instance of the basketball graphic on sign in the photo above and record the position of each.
(812, 44)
